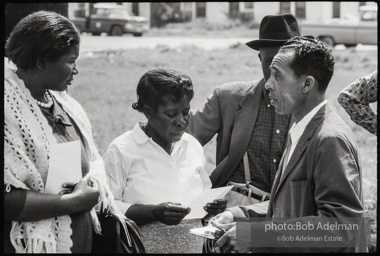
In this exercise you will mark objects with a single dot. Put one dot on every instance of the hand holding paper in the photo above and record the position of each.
(209, 232)
(86, 194)
(170, 213)
(68, 187)
(197, 211)
(216, 207)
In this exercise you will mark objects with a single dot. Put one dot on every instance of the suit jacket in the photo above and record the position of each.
(230, 112)
(323, 176)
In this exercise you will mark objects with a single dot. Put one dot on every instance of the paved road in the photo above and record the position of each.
(99, 43)
(91, 43)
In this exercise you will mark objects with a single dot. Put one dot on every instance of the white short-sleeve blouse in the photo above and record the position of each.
(139, 171)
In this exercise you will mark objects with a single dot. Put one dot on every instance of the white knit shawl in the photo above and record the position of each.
(27, 140)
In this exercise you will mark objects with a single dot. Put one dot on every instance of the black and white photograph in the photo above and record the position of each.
(190, 127)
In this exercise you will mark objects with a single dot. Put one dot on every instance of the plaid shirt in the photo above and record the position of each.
(355, 99)
(265, 147)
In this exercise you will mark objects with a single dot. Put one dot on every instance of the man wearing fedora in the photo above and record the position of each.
(241, 115)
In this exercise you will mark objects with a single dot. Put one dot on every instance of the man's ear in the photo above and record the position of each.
(259, 55)
(147, 112)
(309, 84)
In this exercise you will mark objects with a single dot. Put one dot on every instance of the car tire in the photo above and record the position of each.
(349, 45)
(116, 31)
(96, 33)
(137, 34)
(328, 40)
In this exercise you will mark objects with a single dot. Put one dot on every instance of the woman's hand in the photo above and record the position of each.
(85, 194)
(216, 207)
(68, 187)
(40, 206)
(171, 213)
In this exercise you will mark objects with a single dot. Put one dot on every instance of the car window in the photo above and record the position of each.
(369, 16)
(102, 12)
(118, 14)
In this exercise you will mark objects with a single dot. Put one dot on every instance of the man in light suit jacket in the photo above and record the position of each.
(319, 175)
(241, 116)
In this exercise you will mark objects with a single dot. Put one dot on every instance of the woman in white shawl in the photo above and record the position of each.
(39, 65)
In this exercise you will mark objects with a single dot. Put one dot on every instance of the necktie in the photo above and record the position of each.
(286, 154)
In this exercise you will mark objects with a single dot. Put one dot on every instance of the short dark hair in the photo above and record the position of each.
(40, 36)
(312, 57)
(155, 84)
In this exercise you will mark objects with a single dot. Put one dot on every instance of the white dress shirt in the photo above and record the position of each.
(298, 128)
(139, 171)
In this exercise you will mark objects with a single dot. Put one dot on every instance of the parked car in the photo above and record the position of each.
(112, 19)
(348, 30)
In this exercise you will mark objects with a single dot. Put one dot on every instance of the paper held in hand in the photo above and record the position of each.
(197, 211)
(206, 232)
(64, 166)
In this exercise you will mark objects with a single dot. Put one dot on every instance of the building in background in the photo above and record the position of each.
(255, 11)
(160, 13)
(133, 8)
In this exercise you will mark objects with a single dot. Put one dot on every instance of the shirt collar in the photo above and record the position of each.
(298, 128)
(139, 134)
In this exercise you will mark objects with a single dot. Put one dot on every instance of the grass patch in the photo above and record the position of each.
(106, 88)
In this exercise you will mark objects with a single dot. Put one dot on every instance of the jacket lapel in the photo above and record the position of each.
(244, 122)
(301, 145)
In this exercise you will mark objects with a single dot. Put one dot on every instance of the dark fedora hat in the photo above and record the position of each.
(275, 30)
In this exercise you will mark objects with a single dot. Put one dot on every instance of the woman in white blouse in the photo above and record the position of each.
(156, 169)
